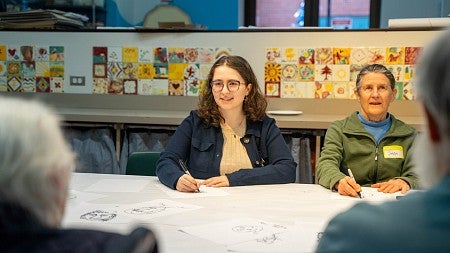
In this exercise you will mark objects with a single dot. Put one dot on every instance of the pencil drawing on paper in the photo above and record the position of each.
(98, 215)
(158, 208)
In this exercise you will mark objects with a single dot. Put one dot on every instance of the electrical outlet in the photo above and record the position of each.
(78, 80)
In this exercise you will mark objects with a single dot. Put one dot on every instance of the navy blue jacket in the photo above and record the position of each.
(20, 231)
(200, 146)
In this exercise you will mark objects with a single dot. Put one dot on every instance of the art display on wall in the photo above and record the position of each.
(291, 72)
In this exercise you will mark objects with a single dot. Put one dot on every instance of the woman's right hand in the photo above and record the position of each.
(187, 183)
(347, 186)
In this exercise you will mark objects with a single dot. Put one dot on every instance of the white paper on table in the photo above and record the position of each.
(96, 213)
(313, 229)
(235, 231)
(118, 185)
(155, 208)
(79, 196)
(204, 191)
(291, 240)
(370, 194)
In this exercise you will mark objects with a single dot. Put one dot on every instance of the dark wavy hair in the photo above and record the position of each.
(375, 68)
(255, 103)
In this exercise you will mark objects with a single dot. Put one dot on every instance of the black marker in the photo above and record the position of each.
(185, 169)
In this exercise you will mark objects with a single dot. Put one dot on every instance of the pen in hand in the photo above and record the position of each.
(350, 173)
(185, 169)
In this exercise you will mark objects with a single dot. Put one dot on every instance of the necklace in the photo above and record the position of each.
(240, 129)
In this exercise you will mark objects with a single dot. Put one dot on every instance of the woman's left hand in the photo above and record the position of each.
(220, 181)
(393, 185)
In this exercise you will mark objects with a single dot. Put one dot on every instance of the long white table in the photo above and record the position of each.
(286, 204)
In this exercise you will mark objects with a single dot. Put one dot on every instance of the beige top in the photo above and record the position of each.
(234, 155)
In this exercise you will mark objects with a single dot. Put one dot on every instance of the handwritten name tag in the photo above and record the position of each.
(393, 151)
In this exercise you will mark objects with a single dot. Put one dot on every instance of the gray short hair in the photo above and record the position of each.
(433, 81)
(32, 152)
(375, 68)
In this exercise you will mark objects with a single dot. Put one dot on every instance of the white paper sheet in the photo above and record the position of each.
(235, 231)
(155, 208)
(370, 194)
(118, 185)
(204, 192)
(75, 195)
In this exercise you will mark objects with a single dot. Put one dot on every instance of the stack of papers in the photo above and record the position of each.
(41, 19)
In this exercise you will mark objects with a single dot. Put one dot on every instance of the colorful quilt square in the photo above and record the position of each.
(341, 55)
(100, 54)
(115, 54)
(41, 53)
(13, 68)
(130, 70)
(206, 55)
(146, 71)
(273, 54)
(273, 89)
(395, 55)
(115, 86)
(412, 54)
(306, 56)
(192, 86)
(42, 84)
(324, 55)
(57, 85)
(43, 68)
(176, 87)
(176, 55)
(99, 70)
(28, 68)
(3, 56)
(289, 72)
(160, 55)
(3, 68)
(56, 69)
(130, 86)
(13, 53)
(14, 83)
(26, 53)
(145, 54)
(56, 53)
(100, 86)
(130, 54)
(191, 55)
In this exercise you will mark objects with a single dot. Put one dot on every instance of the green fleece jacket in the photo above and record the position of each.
(348, 145)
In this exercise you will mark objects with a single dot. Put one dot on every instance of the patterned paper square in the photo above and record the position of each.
(3, 84)
(160, 87)
(43, 68)
(272, 89)
(289, 72)
(130, 54)
(100, 54)
(3, 68)
(341, 55)
(412, 54)
(56, 53)
(26, 53)
(272, 72)
(340, 90)
(408, 91)
(273, 55)
(323, 90)
(324, 55)
(100, 86)
(176, 88)
(192, 86)
(161, 71)
(13, 53)
(130, 86)
(57, 84)
(409, 72)
(28, 68)
(3, 56)
(323, 72)
(204, 70)
(115, 86)
(115, 70)
(395, 55)
(56, 69)
(292, 90)
(115, 54)
(146, 71)
(191, 55)
(99, 70)
(397, 72)
(176, 55)
(359, 56)
(192, 71)
(145, 86)
(399, 87)
(206, 55)
(290, 54)
(306, 72)
(13, 68)
(160, 55)
(377, 55)
(42, 84)
(14, 83)
(341, 73)
(41, 53)
(145, 54)
(130, 70)
(354, 71)
(306, 56)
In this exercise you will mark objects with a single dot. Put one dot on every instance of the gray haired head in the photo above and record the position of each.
(375, 68)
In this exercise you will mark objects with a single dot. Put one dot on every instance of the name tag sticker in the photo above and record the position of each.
(393, 151)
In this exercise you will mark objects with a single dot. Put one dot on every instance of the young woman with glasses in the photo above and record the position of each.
(229, 140)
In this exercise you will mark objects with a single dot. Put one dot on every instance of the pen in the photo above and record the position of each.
(351, 175)
(185, 169)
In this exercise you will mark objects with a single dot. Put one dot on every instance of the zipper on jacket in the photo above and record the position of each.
(376, 164)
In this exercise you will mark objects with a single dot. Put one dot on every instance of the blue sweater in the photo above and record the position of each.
(201, 147)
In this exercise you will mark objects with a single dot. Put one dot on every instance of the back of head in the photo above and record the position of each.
(35, 161)
(433, 82)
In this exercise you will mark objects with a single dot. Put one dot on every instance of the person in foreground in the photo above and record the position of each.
(35, 169)
(419, 221)
(229, 140)
(371, 143)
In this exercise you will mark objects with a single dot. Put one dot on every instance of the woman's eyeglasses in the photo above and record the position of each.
(232, 85)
